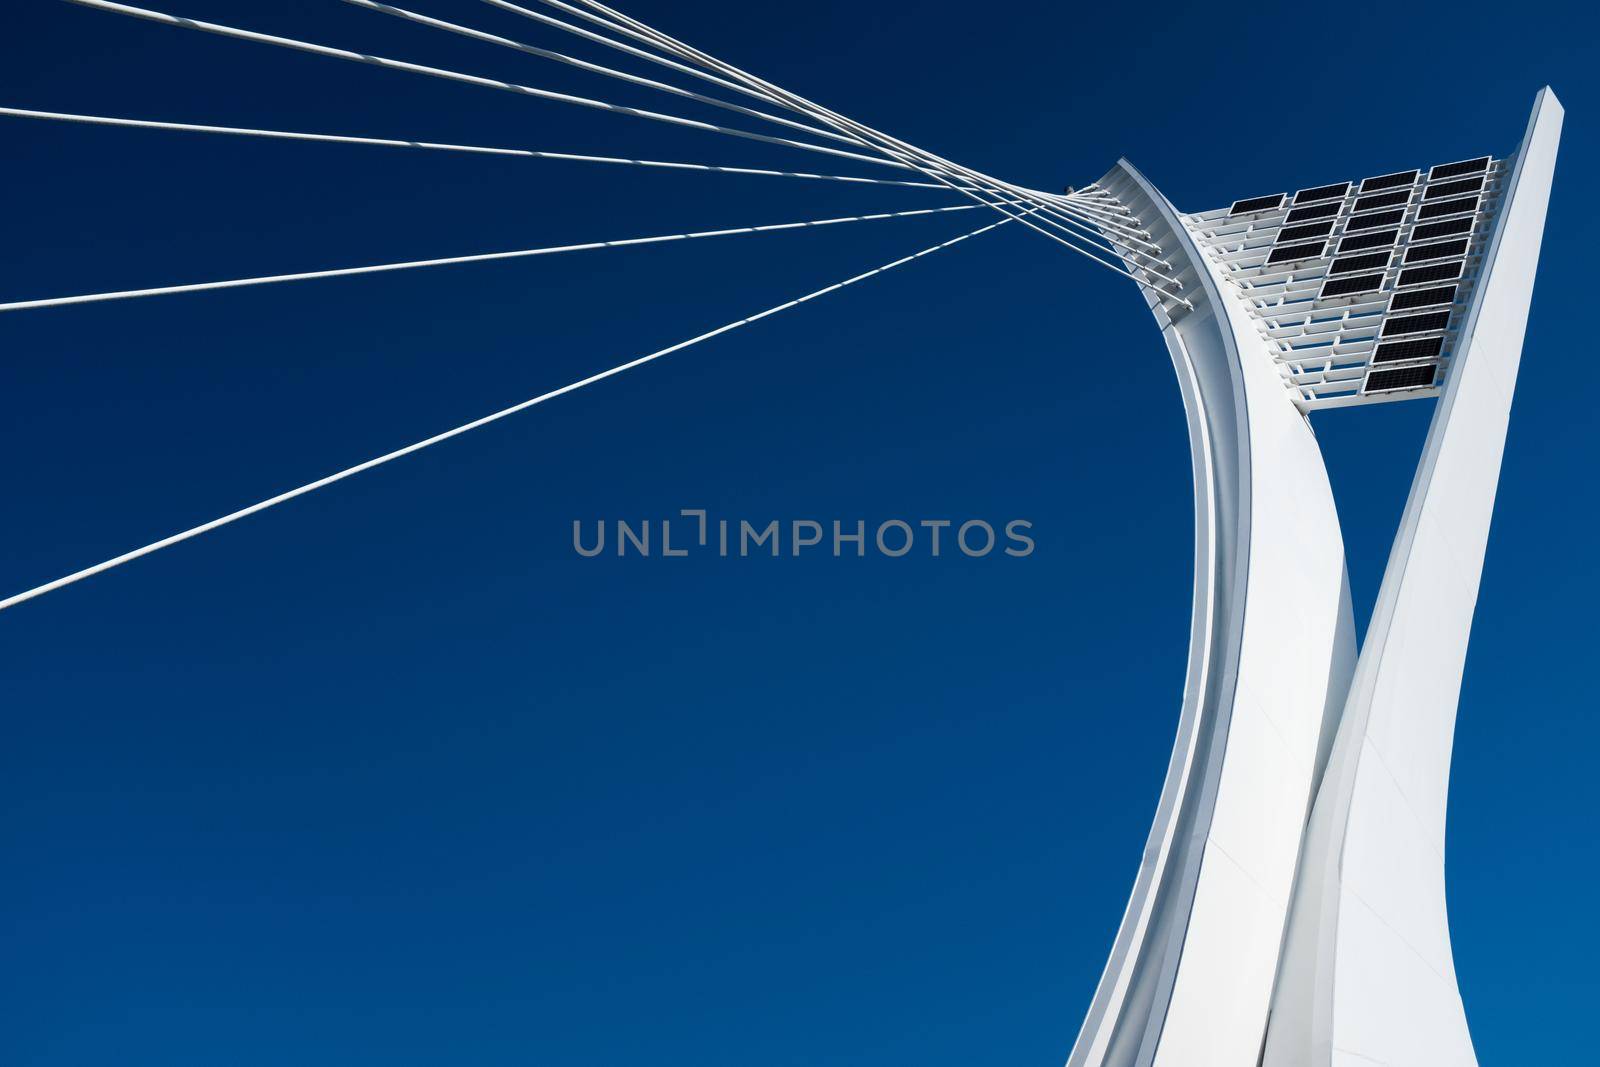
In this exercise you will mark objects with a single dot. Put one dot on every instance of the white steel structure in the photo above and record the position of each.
(1290, 907)
(1289, 910)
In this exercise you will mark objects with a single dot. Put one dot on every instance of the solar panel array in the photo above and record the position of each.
(1361, 287)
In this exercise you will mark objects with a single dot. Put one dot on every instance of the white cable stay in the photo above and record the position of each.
(644, 34)
(1115, 216)
(1105, 230)
(639, 31)
(1102, 203)
(981, 193)
(289, 135)
(1085, 226)
(654, 57)
(619, 22)
(1123, 221)
(932, 166)
(446, 261)
(593, 68)
(1098, 229)
(1063, 208)
(466, 79)
(387, 457)
(1094, 213)
(628, 49)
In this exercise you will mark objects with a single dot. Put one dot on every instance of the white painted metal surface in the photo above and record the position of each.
(1369, 976)
(1250, 939)
(1190, 977)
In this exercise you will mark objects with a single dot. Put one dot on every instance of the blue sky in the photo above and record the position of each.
(390, 775)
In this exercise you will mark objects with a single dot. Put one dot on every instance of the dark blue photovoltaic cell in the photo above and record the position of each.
(1364, 283)
(1322, 192)
(1381, 239)
(1380, 381)
(1433, 320)
(1442, 250)
(1460, 188)
(1454, 170)
(1401, 351)
(1421, 298)
(1389, 181)
(1369, 203)
(1259, 203)
(1349, 264)
(1439, 272)
(1291, 253)
(1374, 220)
(1315, 211)
(1448, 207)
(1433, 230)
(1291, 234)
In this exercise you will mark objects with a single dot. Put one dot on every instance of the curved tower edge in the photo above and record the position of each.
(1190, 974)
(1368, 975)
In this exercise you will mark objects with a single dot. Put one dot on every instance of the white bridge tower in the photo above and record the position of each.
(1289, 910)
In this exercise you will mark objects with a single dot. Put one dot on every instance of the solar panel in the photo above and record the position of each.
(1438, 272)
(1315, 211)
(1433, 320)
(1368, 203)
(1322, 192)
(1368, 240)
(1454, 170)
(1402, 351)
(1290, 253)
(1290, 234)
(1442, 250)
(1448, 207)
(1350, 264)
(1373, 221)
(1389, 181)
(1421, 298)
(1432, 230)
(1364, 283)
(1257, 203)
(1385, 381)
(1444, 189)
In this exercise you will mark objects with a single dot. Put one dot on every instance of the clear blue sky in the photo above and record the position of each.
(390, 776)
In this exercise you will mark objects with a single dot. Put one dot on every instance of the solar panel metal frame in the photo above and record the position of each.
(1314, 211)
(1455, 188)
(1437, 250)
(1423, 298)
(1395, 379)
(1368, 262)
(1376, 220)
(1430, 231)
(1433, 272)
(1441, 208)
(1295, 253)
(1257, 203)
(1375, 239)
(1390, 181)
(1407, 324)
(1336, 191)
(1351, 286)
(1480, 165)
(1408, 350)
